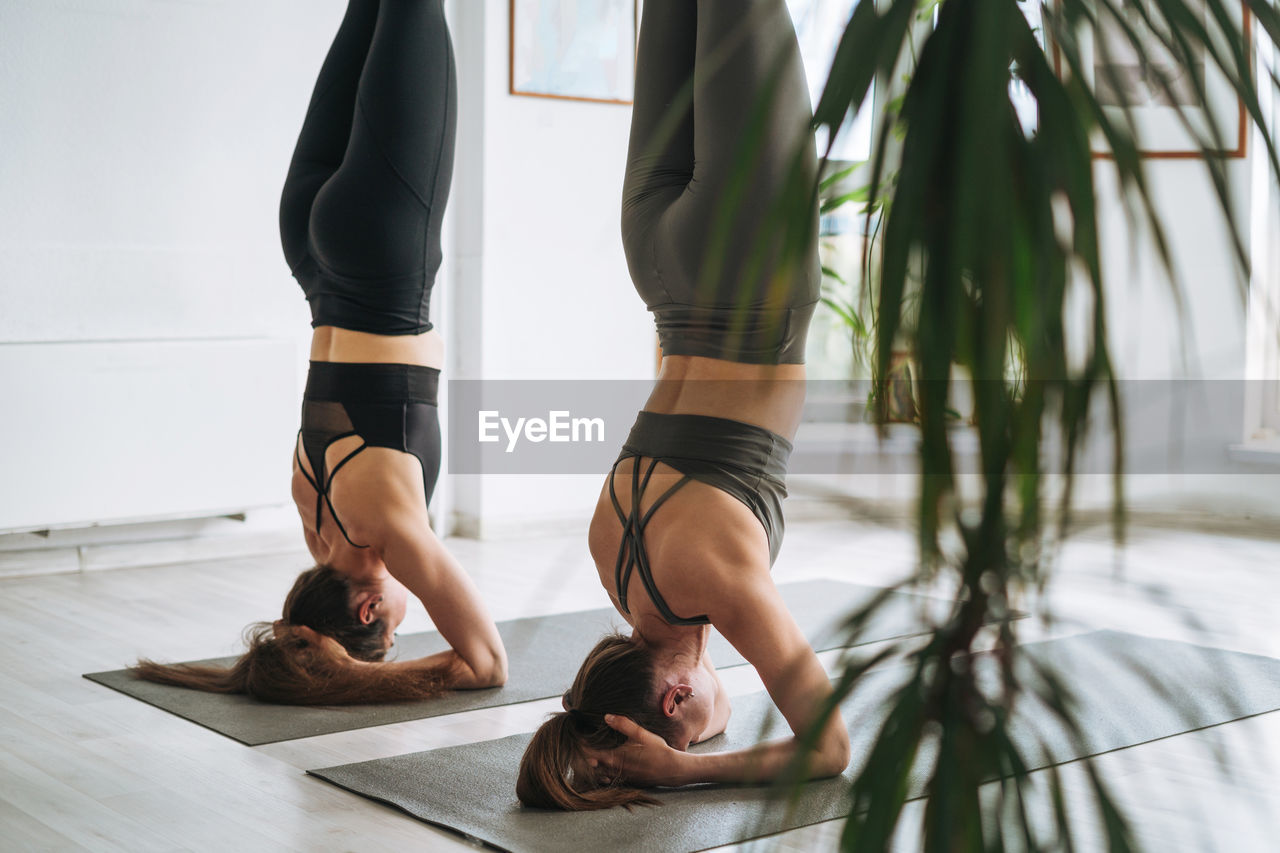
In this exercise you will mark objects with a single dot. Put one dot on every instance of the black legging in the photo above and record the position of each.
(360, 220)
(692, 263)
(362, 206)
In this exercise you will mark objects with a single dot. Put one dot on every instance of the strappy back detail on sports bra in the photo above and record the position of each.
(385, 405)
(323, 479)
(744, 461)
(631, 553)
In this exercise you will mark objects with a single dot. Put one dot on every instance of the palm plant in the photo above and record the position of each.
(990, 226)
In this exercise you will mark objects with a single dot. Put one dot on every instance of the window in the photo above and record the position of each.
(833, 351)
(819, 26)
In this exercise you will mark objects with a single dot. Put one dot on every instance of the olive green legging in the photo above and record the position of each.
(721, 108)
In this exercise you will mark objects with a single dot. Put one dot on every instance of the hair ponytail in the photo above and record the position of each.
(616, 678)
(554, 772)
(284, 668)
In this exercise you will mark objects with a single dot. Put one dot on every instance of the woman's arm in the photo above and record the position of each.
(753, 617)
(456, 672)
(382, 503)
(755, 620)
(417, 558)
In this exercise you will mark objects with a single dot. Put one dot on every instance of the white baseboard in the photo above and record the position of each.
(17, 564)
(259, 533)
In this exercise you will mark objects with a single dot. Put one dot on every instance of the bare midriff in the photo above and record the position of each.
(769, 396)
(329, 343)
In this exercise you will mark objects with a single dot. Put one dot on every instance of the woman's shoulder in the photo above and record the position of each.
(703, 560)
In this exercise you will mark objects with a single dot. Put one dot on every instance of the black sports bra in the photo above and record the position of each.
(386, 405)
(631, 553)
(742, 460)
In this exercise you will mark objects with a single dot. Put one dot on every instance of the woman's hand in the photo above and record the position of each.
(645, 760)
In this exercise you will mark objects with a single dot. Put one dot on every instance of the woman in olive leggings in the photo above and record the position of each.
(693, 506)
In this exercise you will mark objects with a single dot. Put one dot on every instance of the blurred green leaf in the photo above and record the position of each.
(978, 234)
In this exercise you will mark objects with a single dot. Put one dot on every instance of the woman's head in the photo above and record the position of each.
(325, 600)
(620, 676)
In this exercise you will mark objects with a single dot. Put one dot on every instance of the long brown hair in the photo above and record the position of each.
(618, 677)
(282, 666)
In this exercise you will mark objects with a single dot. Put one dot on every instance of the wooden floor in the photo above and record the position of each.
(82, 767)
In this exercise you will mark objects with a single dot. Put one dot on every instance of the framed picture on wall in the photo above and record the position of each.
(1158, 89)
(578, 50)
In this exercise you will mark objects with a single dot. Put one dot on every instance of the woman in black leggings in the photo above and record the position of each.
(692, 509)
(360, 221)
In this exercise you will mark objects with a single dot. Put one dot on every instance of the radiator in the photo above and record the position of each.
(109, 432)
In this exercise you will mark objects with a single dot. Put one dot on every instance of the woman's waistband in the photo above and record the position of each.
(709, 439)
(372, 382)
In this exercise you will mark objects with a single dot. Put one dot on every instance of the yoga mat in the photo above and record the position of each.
(1129, 690)
(544, 652)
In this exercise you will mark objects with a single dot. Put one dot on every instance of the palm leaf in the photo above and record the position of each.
(981, 234)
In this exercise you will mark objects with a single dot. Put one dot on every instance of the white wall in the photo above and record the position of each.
(540, 289)
(144, 147)
(1149, 340)
(1153, 340)
(143, 150)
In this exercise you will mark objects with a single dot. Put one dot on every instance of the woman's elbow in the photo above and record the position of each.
(476, 672)
(834, 755)
(498, 672)
(493, 670)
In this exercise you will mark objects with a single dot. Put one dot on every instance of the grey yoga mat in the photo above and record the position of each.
(545, 653)
(1128, 690)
